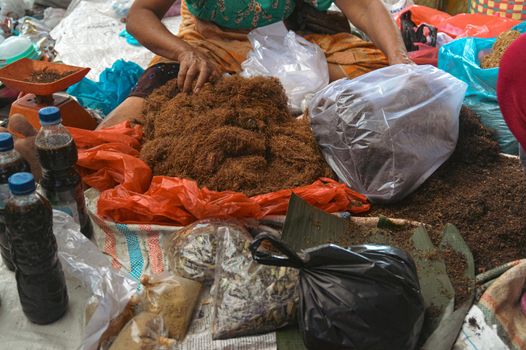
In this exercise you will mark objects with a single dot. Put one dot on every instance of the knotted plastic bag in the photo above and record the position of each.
(384, 133)
(363, 297)
(300, 66)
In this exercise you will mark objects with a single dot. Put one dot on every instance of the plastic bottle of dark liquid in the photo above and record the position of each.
(10, 162)
(39, 276)
(61, 183)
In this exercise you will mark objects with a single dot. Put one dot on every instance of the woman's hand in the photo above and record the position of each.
(195, 66)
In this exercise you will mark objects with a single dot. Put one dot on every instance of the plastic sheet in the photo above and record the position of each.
(250, 298)
(459, 26)
(461, 58)
(81, 259)
(113, 87)
(386, 132)
(363, 297)
(300, 66)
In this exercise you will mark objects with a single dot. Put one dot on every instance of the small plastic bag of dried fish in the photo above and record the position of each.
(144, 331)
(192, 250)
(250, 298)
(172, 297)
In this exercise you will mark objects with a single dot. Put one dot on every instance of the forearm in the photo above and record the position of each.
(144, 23)
(373, 19)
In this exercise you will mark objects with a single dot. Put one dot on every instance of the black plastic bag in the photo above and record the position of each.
(364, 297)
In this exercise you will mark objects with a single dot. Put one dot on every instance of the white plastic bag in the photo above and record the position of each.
(300, 65)
(15, 8)
(397, 6)
(386, 132)
(81, 259)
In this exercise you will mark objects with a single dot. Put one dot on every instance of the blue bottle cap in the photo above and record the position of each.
(49, 116)
(21, 183)
(6, 142)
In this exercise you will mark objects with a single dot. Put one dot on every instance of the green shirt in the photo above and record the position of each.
(247, 14)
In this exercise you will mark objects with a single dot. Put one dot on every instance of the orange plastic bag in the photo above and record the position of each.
(105, 166)
(173, 201)
(462, 25)
(120, 133)
(325, 194)
(180, 201)
(108, 161)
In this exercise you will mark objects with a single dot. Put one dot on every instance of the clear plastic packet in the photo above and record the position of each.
(172, 297)
(385, 132)
(192, 250)
(250, 298)
(111, 289)
(146, 331)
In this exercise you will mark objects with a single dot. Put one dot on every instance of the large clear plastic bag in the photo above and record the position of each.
(15, 8)
(300, 66)
(386, 132)
(82, 260)
(250, 298)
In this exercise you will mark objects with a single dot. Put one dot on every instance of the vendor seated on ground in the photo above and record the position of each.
(511, 92)
(212, 40)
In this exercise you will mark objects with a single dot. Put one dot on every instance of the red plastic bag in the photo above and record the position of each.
(425, 55)
(462, 25)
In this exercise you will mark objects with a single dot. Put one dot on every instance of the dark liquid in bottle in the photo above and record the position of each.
(61, 183)
(6, 170)
(40, 279)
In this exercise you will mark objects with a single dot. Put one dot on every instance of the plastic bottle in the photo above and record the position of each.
(61, 183)
(10, 162)
(40, 280)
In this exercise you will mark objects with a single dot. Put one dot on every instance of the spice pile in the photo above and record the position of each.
(234, 135)
(479, 192)
(47, 76)
(504, 40)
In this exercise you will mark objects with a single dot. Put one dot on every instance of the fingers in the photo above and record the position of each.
(27, 149)
(19, 125)
(204, 76)
(181, 77)
(191, 75)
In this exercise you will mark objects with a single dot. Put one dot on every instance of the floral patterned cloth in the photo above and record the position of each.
(247, 14)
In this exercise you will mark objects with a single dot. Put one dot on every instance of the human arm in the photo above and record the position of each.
(371, 17)
(144, 23)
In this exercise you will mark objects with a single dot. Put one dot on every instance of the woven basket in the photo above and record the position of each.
(510, 9)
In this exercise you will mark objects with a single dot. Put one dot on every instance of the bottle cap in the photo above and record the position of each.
(49, 116)
(22, 183)
(6, 142)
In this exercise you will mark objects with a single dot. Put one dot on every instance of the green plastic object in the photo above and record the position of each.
(31, 53)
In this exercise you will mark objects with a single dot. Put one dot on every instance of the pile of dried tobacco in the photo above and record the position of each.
(504, 40)
(478, 191)
(234, 135)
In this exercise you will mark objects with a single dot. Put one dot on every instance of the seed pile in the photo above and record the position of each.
(236, 134)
